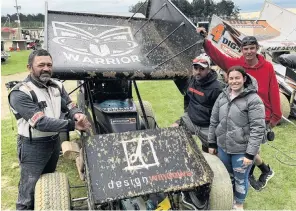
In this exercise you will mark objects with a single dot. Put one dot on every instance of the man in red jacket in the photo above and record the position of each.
(268, 89)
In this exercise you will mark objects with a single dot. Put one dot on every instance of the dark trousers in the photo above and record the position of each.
(201, 132)
(35, 158)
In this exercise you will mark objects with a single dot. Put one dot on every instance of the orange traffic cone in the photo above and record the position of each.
(17, 47)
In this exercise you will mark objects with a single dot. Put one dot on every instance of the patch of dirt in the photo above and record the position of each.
(5, 111)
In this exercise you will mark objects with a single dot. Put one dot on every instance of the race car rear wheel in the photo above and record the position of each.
(52, 192)
(221, 195)
(149, 113)
(285, 106)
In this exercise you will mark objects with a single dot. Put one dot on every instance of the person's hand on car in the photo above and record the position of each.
(79, 116)
(82, 125)
(202, 31)
(81, 122)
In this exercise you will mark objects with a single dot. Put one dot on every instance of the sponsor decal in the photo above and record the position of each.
(259, 28)
(231, 44)
(140, 181)
(226, 38)
(170, 176)
(123, 121)
(95, 43)
(217, 32)
(135, 157)
(248, 23)
(229, 51)
(282, 48)
(227, 35)
(196, 91)
(140, 154)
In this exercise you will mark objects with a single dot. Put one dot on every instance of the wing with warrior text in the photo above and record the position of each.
(85, 45)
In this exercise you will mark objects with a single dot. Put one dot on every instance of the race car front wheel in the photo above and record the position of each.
(52, 192)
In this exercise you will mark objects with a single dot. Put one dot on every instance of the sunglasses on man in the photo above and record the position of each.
(198, 67)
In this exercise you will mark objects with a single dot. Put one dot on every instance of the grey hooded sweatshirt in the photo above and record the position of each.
(238, 125)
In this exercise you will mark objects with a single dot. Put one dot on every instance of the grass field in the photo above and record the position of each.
(16, 63)
(168, 106)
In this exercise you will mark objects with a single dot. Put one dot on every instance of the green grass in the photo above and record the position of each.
(165, 98)
(168, 106)
(16, 63)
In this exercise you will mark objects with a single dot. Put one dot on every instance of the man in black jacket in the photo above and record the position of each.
(202, 92)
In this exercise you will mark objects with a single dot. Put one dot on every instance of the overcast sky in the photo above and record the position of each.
(37, 6)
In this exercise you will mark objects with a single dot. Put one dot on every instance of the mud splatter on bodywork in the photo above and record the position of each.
(123, 165)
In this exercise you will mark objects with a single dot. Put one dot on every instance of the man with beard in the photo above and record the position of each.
(268, 89)
(37, 104)
(202, 92)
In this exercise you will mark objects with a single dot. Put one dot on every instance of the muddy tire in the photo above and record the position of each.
(149, 113)
(221, 195)
(285, 106)
(52, 192)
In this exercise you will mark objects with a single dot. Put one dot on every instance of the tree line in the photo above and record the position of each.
(30, 20)
(199, 10)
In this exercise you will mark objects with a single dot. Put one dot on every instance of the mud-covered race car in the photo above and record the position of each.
(127, 162)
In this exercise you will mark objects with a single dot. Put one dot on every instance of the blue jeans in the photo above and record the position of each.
(35, 158)
(239, 174)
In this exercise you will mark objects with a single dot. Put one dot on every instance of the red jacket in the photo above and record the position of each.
(268, 88)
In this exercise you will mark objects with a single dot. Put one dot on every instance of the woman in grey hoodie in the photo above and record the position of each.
(237, 128)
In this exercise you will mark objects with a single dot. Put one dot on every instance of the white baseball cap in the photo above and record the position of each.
(202, 60)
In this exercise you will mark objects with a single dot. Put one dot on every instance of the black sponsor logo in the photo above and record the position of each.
(231, 44)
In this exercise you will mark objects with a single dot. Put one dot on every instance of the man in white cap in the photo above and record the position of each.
(202, 92)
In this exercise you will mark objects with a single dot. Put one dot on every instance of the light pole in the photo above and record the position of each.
(19, 22)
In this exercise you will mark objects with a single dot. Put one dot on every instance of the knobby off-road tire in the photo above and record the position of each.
(285, 106)
(52, 192)
(149, 113)
(221, 195)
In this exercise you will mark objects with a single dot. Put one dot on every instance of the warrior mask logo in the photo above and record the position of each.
(94, 39)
